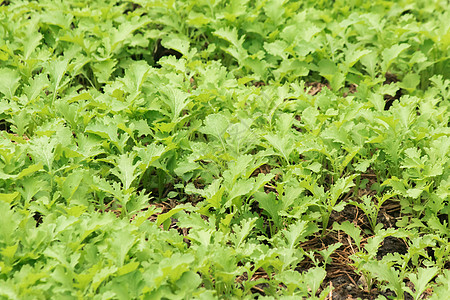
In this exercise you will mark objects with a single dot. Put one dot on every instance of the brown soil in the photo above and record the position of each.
(316, 87)
(346, 282)
(391, 78)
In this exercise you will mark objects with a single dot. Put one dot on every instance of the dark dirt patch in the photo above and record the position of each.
(316, 87)
(297, 120)
(345, 290)
(391, 245)
(264, 169)
(5, 126)
(349, 213)
(391, 78)
(389, 214)
(351, 89)
(165, 207)
(37, 216)
(259, 83)
(341, 275)
(258, 275)
(131, 8)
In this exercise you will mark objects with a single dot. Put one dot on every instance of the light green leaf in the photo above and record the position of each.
(277, 48)
(135, 76)
(150, 154)
(410, 82)
(121, 243)
(351, 230)
(298, 231)
(176, 99)
(352, 57)
(141, 126)
(71, 183)
(104, 129)
(315, 167)
(274, 10)
(421, 280)
(164, 217)
(184, 167)
(414, 193)
(314, 278)
(37, 85)
(270, 205)
(57, 70)
(8, 198)
(43, 150)
(103, 69)
(31, 43)
(386, 273)
(128, 268)
(243, 230)
(216, 125)
(377, 101)
(213, 193)
(125, 31)
(9, 82)
(240, 188)
(101, 275)
(230, 35)
(390, 54)
(327, 67)
(369, 61)
(283, 145)
(126, 170)
(342, 185)
(176, 42)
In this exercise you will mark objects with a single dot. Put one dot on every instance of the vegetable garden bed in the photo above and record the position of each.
(224, 149)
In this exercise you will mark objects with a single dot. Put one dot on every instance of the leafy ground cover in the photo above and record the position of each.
(224, 149)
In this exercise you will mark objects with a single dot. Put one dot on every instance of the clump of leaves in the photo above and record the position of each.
(175, 149)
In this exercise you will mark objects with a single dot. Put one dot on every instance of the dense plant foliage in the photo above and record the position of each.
(194, 149)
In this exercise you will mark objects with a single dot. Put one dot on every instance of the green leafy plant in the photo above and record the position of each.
(214, 149)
